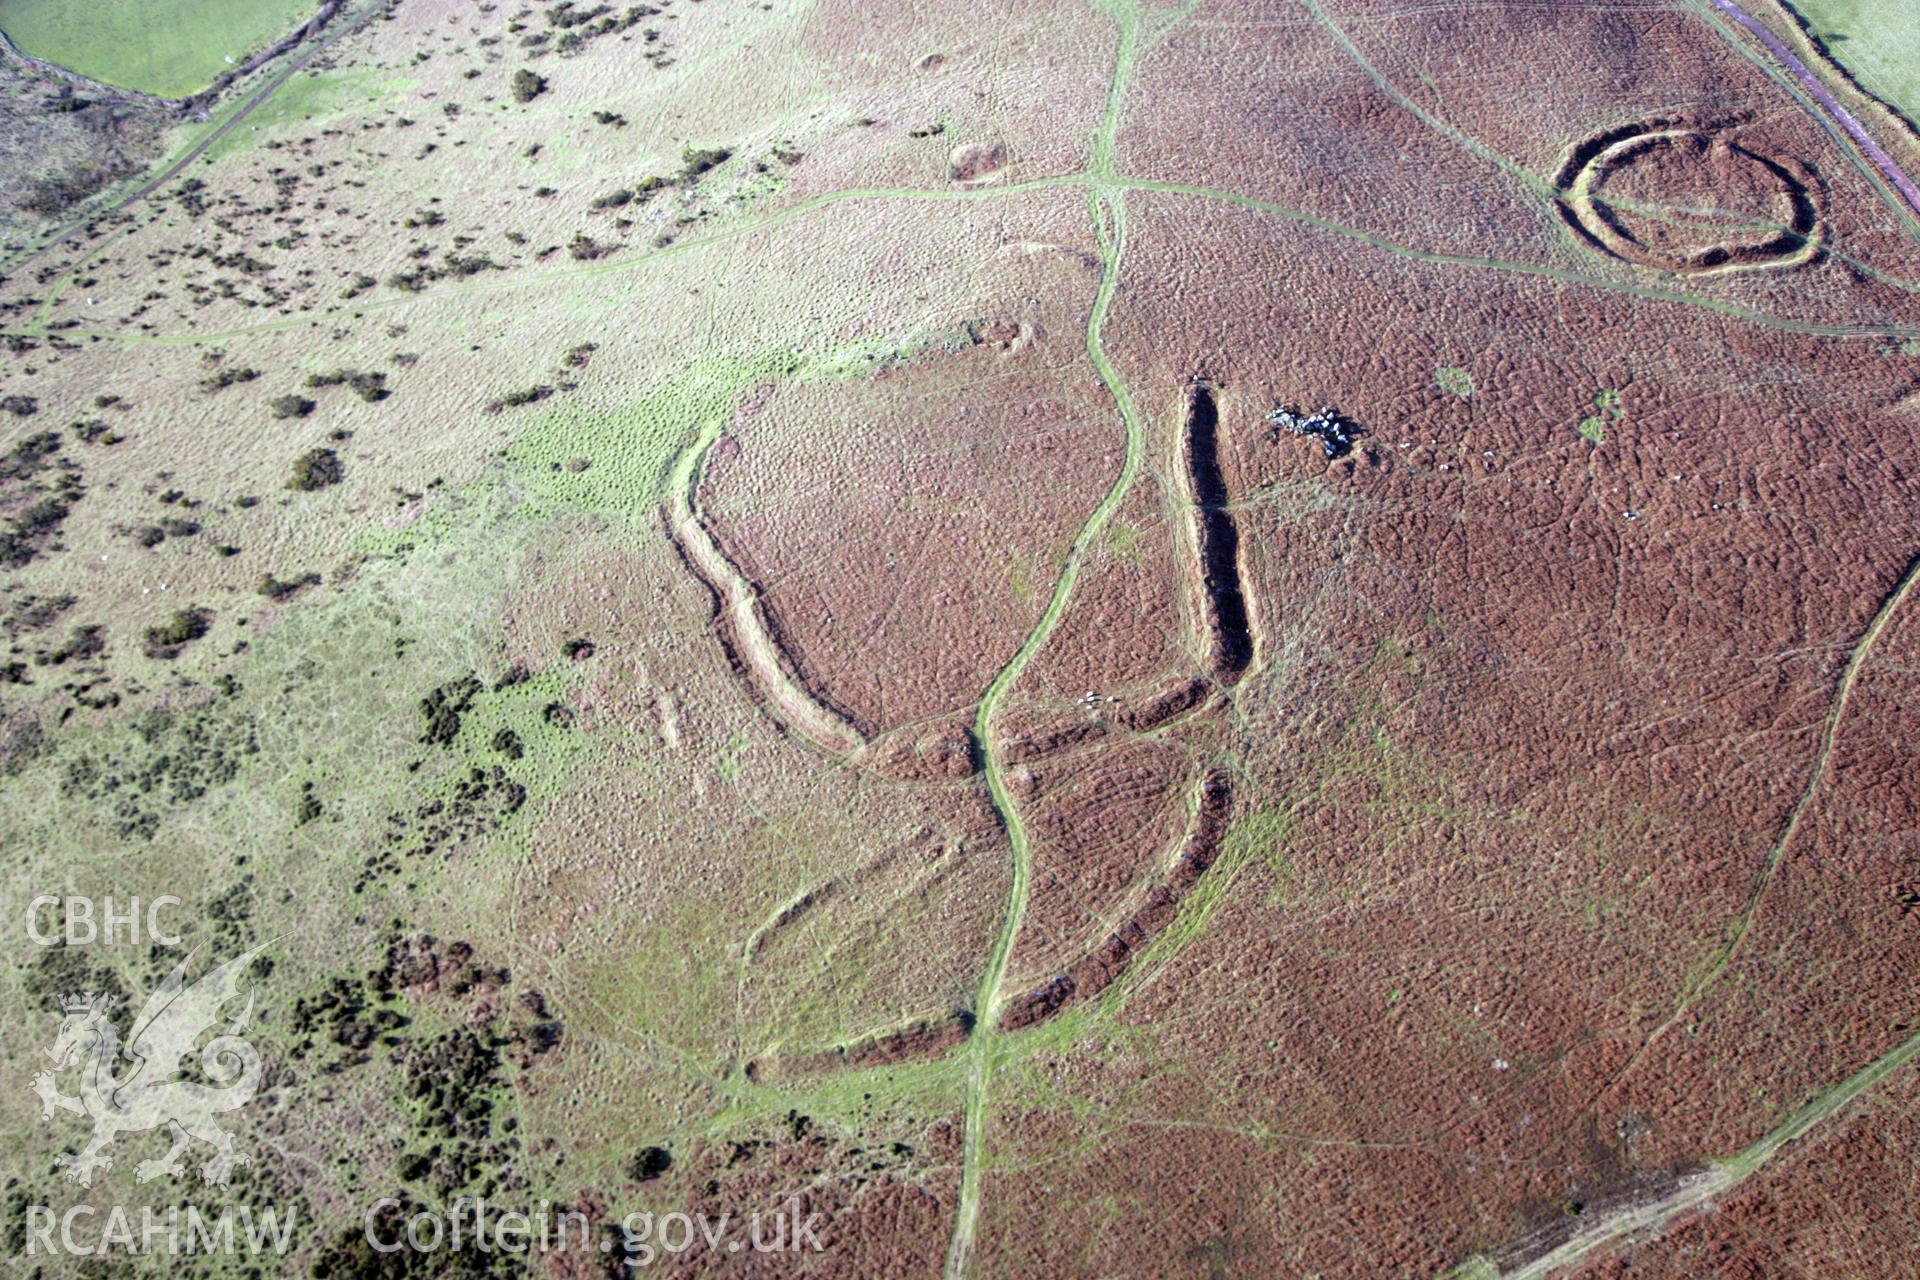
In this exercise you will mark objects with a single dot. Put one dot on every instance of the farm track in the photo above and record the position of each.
(1822, 767)
(1649, 1219)
(314, 44)
(1834, 109)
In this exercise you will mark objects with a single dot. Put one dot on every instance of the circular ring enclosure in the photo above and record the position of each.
(1689, 200)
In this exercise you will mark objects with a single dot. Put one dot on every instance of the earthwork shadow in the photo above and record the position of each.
(1218, 539)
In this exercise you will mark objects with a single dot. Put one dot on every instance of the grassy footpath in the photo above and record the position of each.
(1107, 208)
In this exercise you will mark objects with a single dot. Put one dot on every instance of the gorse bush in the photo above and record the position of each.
(316, 469)
(528, 85)
(170, 637)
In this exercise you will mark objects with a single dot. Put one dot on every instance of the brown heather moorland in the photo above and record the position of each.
(1115, 639)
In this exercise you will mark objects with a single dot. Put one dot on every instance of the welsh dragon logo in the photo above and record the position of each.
(138, 1089)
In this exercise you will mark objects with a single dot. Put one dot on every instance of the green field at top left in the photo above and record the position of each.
(153, 46)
